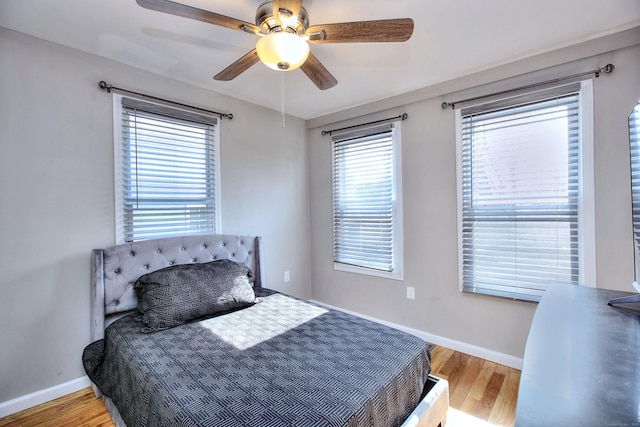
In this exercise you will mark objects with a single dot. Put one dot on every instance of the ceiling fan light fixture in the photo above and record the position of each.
(285, 34)
(282, 51)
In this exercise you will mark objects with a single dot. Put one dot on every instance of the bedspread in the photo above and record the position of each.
(281, 362)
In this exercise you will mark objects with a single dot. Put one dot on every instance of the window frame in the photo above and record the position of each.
(634, 160)
(586, 198)
(118, 127)
(397, 272)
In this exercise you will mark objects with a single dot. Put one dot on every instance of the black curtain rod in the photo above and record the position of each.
(106, 86)
(606, 69)
(404, 116)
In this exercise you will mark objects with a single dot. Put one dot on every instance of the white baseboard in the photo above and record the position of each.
(36, 398)
(473, 350)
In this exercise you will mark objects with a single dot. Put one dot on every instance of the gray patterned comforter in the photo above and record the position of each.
(281, 362)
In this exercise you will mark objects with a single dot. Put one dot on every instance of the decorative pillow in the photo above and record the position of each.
(174, 295)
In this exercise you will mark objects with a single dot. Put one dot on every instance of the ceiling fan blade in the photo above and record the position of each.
(238, 67)
(317, 73)
(292, 6)
(185, 11)
(385, 30)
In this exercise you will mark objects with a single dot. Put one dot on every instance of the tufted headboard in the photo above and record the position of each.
(115, 269)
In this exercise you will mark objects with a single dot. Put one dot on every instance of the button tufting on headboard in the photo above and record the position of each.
(117, 268)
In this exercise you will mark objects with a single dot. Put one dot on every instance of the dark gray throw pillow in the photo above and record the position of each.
(174, 295)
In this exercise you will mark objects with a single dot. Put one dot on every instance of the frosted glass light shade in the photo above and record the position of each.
(282, 51)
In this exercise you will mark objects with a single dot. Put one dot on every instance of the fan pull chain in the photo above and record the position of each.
(282, 97)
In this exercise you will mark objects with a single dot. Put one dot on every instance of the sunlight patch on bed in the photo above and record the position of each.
(245, 328)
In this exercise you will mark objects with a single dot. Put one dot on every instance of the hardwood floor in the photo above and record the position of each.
(481, 394)
(79, 409)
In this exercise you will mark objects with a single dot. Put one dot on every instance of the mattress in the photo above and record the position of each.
(280, 362)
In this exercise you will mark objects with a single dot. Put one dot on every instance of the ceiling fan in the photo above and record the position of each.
(284, 36)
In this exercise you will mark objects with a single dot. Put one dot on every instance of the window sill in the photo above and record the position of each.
(394, 275)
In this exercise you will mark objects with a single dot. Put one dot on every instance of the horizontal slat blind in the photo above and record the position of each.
(520, 187)
(363, 199)
(168, 161)
(634, 145)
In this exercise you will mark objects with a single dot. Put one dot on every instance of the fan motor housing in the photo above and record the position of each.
(269, 23)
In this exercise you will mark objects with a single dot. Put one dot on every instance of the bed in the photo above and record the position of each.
(165, 352)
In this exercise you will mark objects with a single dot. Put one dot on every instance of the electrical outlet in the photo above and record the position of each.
(411, 292)
(286, 276)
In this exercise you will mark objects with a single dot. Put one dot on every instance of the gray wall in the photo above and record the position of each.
(57, 197)
(57, 202)
(430, 218)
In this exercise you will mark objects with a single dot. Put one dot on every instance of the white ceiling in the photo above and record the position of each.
(451, 38)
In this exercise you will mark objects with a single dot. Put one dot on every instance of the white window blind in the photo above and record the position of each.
(520, 178)
(364, 199)
(634, 145)
(168, 162)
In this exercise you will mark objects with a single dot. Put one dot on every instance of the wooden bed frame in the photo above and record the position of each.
(115, 270)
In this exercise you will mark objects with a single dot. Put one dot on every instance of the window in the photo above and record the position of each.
(524, 180)
(634, 145)
(166, 177)
(367, 218)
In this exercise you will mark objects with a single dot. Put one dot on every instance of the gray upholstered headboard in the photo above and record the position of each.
(115, 269)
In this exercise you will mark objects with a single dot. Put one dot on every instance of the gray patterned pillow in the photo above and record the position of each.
(174, 295)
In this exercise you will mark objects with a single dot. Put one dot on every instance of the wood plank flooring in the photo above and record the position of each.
(481, 394)
(79, 409)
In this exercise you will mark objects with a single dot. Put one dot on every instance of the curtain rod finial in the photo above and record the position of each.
(606, 69)
(104, 85)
